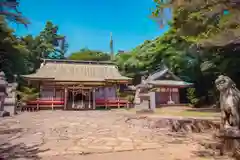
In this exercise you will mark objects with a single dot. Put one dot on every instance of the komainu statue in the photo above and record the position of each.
(229, 101)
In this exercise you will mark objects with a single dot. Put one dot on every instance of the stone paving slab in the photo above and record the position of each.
(56, 133)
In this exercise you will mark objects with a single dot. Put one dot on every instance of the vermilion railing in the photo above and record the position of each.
(53, 102)
(111, 102)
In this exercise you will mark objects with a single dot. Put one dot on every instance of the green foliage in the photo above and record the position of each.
(22, 55)
(89, 55)
(9, 9)
(28, 94)
(202, 43)
(170, 49)
(130, 98)
(118, 93)
(208, 23)
(191, 95)
(49, 42)
(13, 52)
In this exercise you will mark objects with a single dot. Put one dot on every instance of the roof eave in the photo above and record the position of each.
(36, 78)
(78, 61)
(119, 79)
(172, 85)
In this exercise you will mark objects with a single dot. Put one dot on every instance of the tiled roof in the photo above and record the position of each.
(68, 70)
(153, 80)
(161, 73)
(169, 83)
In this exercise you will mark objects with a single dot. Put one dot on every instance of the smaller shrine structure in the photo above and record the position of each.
(159, 88)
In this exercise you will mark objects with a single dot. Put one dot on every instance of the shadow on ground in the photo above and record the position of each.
(210, 154)
(11, 151)
(204, 153)
(10, 131)
(211, 150)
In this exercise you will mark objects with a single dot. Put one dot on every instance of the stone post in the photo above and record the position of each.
(3, 94)
(152, 101)
(229, 141)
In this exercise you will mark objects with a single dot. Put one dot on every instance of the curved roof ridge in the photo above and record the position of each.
(77, 61)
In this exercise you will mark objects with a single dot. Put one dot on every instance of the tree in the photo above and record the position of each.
(52, 44)
(89, 55)
(212, 29)
(177, 54)
(34, 47)
(206, 22)
(48, 44)
(13, 52)
(9, 9)
(150, 56)
(22, 55)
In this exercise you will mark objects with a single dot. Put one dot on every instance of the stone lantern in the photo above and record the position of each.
(3, 93)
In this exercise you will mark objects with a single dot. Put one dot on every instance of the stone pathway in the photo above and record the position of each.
(57, 134)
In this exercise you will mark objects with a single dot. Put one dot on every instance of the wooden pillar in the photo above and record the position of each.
(37, 104)
(178, 96)
(105, 97)
(82, 104)
(73, 98)
(41, 90)
(94, 98)
(40, 96)
(117, 92)
(170, 94)
(65, 97)
(52, 104)
(54, 91)
(89, 99)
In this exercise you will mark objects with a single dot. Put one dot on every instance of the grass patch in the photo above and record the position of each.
(183, 113)
(192, 114)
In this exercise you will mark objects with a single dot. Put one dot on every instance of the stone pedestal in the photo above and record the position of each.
(10, 100)
(230, 142)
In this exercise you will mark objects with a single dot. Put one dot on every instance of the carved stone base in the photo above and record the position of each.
(4, 114)
(230, 141)
(230, 133)
(189, 125)
(175, 124)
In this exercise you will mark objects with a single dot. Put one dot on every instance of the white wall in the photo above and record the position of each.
(59, 93)
(106, 92)
(46, 93)
(101, 93)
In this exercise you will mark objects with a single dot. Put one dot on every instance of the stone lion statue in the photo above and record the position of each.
(229, 101)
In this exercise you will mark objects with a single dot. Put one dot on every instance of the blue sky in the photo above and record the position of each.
(88, 23)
